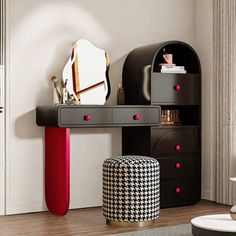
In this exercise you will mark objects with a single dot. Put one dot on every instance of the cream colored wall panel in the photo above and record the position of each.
(40, 36)
(90, 147)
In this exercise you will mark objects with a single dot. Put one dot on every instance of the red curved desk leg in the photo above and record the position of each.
(57, 169)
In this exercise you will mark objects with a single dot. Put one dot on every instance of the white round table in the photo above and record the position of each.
(214, 225)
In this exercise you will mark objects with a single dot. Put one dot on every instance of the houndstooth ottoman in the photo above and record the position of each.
(131, 190)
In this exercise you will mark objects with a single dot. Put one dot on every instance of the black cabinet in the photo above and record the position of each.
(176, 144)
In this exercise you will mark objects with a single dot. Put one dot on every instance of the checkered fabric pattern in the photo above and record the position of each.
(131, 188)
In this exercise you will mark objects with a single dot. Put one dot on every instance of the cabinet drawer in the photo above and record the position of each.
(132, 115)
(174, 140)
(84, 116)
(175, 89)
(180, 192)
(179, 167)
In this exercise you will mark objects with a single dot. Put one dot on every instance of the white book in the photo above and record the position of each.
(173, 67)
(173, 71)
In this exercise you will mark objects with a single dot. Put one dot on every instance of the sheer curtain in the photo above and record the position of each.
(224, 76)
(2, 100)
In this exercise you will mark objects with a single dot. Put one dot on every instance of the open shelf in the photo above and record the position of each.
(187, 115)
(182, 56)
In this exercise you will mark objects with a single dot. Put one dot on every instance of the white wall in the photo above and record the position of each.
(204, 48)
(41, 33)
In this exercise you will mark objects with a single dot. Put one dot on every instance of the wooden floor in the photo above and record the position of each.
(91, 221)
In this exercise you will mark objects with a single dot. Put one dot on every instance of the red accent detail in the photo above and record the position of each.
(177, 190)
(177, 148)
(177, 165)
(57, 169)
(87, 117)
(177, 87)
(137, 117)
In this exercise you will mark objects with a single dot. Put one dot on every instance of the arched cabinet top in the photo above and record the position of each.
(143, 65)
(183, 55)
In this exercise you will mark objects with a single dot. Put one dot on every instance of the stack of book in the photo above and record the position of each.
(172, 68)
(170, 117)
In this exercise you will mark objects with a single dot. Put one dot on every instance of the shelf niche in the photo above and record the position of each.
(188, 115)
(183, 55)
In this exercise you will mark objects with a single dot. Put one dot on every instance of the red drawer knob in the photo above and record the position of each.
(177, 148)
(87, 118)
(177, 165)
(177, 87)
(137, 117)
(177, 190)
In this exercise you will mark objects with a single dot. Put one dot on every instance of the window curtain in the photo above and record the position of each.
(2, 60)
(224, 76)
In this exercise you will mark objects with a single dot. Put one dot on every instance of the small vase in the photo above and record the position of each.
(56, 100)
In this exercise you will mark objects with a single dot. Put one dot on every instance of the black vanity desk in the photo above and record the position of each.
(58, 120)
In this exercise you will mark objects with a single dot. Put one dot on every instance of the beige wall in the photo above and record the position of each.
(40, 35)
(204, 48)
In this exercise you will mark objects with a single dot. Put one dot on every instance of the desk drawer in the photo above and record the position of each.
(175, 89)
(179, 167)
(174, 140)
(180, 192)
(85, 116)
(136, 115)
(97, 116)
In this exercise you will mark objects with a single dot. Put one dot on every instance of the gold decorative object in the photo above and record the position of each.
(120, 94)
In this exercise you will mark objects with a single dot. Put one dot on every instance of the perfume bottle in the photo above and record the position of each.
(120, 94)
(56, 99)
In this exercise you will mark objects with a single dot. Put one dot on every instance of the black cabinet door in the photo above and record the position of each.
(180, 192)
(186, 166)
(174, 140)
(175, 89)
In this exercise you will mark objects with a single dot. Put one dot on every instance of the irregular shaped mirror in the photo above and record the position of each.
(86, 73)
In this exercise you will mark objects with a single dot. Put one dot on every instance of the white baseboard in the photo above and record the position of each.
(85, 202)
(25, 208)
(39, 207)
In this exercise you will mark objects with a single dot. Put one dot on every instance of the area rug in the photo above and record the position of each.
(175, 230)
